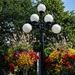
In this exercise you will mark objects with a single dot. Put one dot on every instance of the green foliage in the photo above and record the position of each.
(65, 18)
(13, 14)
(3, 65)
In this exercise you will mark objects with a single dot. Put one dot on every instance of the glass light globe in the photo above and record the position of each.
(34, 18)
(27, 28)
(48, 18)
(41, 8)
(56, 28)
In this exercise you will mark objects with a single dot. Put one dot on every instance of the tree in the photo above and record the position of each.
(52, 8)
(65, 18)
(13, 14)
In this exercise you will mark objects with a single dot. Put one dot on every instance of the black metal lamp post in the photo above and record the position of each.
(41, 25)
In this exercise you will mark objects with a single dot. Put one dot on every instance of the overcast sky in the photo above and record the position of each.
(70, 4)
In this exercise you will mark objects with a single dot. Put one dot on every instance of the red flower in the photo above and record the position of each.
(47, 60)
(11, 65)
(73, 56)
(37, 57)
(7, 58)
(70, 67)
(16, 56)
(68, 63)
(61, 51)
(67, 55)
(35, 60)
(32, 54)
(63, 60)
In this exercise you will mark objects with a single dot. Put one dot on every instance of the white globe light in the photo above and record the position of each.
(41, 8)
(48, 18)
(56, 28)
(34, 18)
(27, 28)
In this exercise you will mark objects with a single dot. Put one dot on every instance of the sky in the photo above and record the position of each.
(69, 5)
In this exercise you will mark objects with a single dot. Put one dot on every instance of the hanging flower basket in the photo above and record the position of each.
(61, 62)
(21, 60)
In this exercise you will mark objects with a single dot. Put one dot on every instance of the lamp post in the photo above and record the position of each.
(42, 22)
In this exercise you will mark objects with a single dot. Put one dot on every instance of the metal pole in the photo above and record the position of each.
(41, 26)
(40, 63)
(42, 53)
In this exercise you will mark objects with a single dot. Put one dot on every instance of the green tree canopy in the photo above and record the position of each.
(64, 18)
(13, 14)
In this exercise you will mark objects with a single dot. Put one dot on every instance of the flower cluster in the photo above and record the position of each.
(23, 59)
(27, 59)
(54, 60)
(69, 59)
(59, 59)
